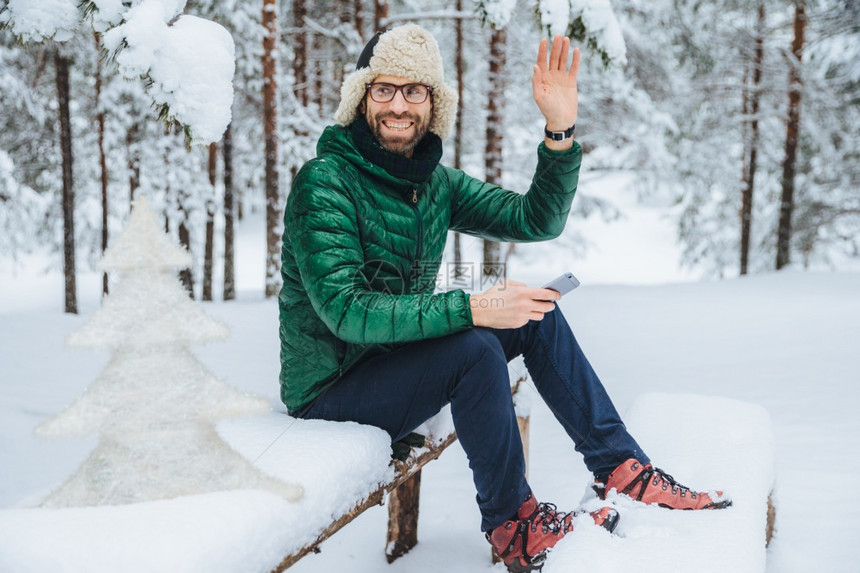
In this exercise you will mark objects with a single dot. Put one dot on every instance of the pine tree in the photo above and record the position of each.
(154, 406)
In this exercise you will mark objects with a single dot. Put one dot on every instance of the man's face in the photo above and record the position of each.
(397, 125)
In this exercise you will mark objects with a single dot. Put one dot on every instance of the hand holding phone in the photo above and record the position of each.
(563, 284)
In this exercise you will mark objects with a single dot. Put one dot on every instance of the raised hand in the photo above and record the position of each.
(554, 84)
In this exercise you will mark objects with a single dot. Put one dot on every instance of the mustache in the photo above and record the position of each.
(405, 115)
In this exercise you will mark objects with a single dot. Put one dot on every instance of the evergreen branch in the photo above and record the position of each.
(576, 30)
(3, 7)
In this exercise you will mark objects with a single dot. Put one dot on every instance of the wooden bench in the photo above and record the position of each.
(402, 494)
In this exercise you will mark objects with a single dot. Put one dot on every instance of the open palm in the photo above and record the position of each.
(554, 85)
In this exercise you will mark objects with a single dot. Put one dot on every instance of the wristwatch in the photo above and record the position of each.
(559, 135)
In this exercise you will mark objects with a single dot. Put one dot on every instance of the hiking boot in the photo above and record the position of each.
(653, 486)
(523, 542)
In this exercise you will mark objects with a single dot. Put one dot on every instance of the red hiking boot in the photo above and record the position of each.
(522, 543)
(653, 486)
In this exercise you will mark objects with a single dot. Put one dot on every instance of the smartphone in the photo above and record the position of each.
(563, 284)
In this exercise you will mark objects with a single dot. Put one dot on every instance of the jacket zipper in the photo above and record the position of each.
(419, 243)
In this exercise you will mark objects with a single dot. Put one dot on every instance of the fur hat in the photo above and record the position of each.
(407, 51)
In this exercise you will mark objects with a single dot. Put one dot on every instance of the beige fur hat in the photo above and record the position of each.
(408, 51)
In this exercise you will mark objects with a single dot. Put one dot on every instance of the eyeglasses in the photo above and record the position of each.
(412, 93)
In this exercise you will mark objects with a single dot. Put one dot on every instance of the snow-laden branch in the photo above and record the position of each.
(594, 23)
(189, 65)
(187, 62)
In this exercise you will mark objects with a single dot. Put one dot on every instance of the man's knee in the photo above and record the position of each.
(481, 357)
(479, 344)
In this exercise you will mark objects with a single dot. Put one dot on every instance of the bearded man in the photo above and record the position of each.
(366, 338)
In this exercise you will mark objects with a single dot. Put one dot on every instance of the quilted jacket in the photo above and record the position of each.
(361, 249)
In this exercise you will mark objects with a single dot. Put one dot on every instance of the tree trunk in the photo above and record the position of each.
(380, 14)
(229, 269)
(209, 247)
(751, 105)
(186, 276)
(458, 126)
(300, 53)
(270, 128)
(491, 269)
(132, 142)
(358, 10)
(792, 134)
(321, 69)
(100, 119)
(62, 65)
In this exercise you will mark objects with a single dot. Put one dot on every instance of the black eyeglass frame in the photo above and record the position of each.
(401, 89)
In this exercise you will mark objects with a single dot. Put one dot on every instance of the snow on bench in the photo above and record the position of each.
(338, 464)
(343, 467)
(706, 443)
(341, 477)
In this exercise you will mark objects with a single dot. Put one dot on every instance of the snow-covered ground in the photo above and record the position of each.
(784, 342)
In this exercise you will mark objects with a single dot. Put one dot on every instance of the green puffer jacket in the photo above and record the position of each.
(361, 250)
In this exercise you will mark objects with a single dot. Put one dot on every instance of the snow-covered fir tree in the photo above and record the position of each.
(154, 407)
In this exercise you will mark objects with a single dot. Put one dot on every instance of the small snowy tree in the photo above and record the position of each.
(154, 406)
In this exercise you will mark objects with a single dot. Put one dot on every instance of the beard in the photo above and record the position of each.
(401, 144)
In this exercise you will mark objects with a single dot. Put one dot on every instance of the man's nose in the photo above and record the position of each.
(399, 103)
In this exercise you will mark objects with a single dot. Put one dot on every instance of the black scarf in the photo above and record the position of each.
(415, 169)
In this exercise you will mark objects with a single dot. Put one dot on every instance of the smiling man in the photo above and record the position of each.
(364, 335)
(398, 123)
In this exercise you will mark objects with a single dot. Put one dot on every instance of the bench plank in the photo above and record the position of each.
(404, 471)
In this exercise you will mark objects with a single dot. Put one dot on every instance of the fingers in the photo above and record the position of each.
(565, 48)
(557, 55)
(574, 64)
(544, 294)
(541, 57)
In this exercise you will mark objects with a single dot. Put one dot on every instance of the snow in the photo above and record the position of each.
(498, 12)
(778, 347)
(554, 15)
(196, 84)
(57, 19)
(108, 14)
(600, 21)
(715, 443)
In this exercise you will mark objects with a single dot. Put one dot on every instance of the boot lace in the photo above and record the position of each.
(550, 520)
(657, 478)
(545, 517)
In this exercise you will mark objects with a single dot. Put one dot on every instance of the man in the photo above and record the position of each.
(365, 338)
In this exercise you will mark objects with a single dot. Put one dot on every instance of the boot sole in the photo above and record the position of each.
(536, 564)
(611, 521)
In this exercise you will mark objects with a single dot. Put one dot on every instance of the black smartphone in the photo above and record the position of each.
(563, 284)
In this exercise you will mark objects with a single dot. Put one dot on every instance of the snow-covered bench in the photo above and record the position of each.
(399, 487)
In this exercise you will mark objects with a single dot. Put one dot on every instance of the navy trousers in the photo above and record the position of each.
(400, 390)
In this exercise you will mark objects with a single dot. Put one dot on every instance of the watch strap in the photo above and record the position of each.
(559, 135)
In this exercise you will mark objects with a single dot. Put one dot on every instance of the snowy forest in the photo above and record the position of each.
(742, 115)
